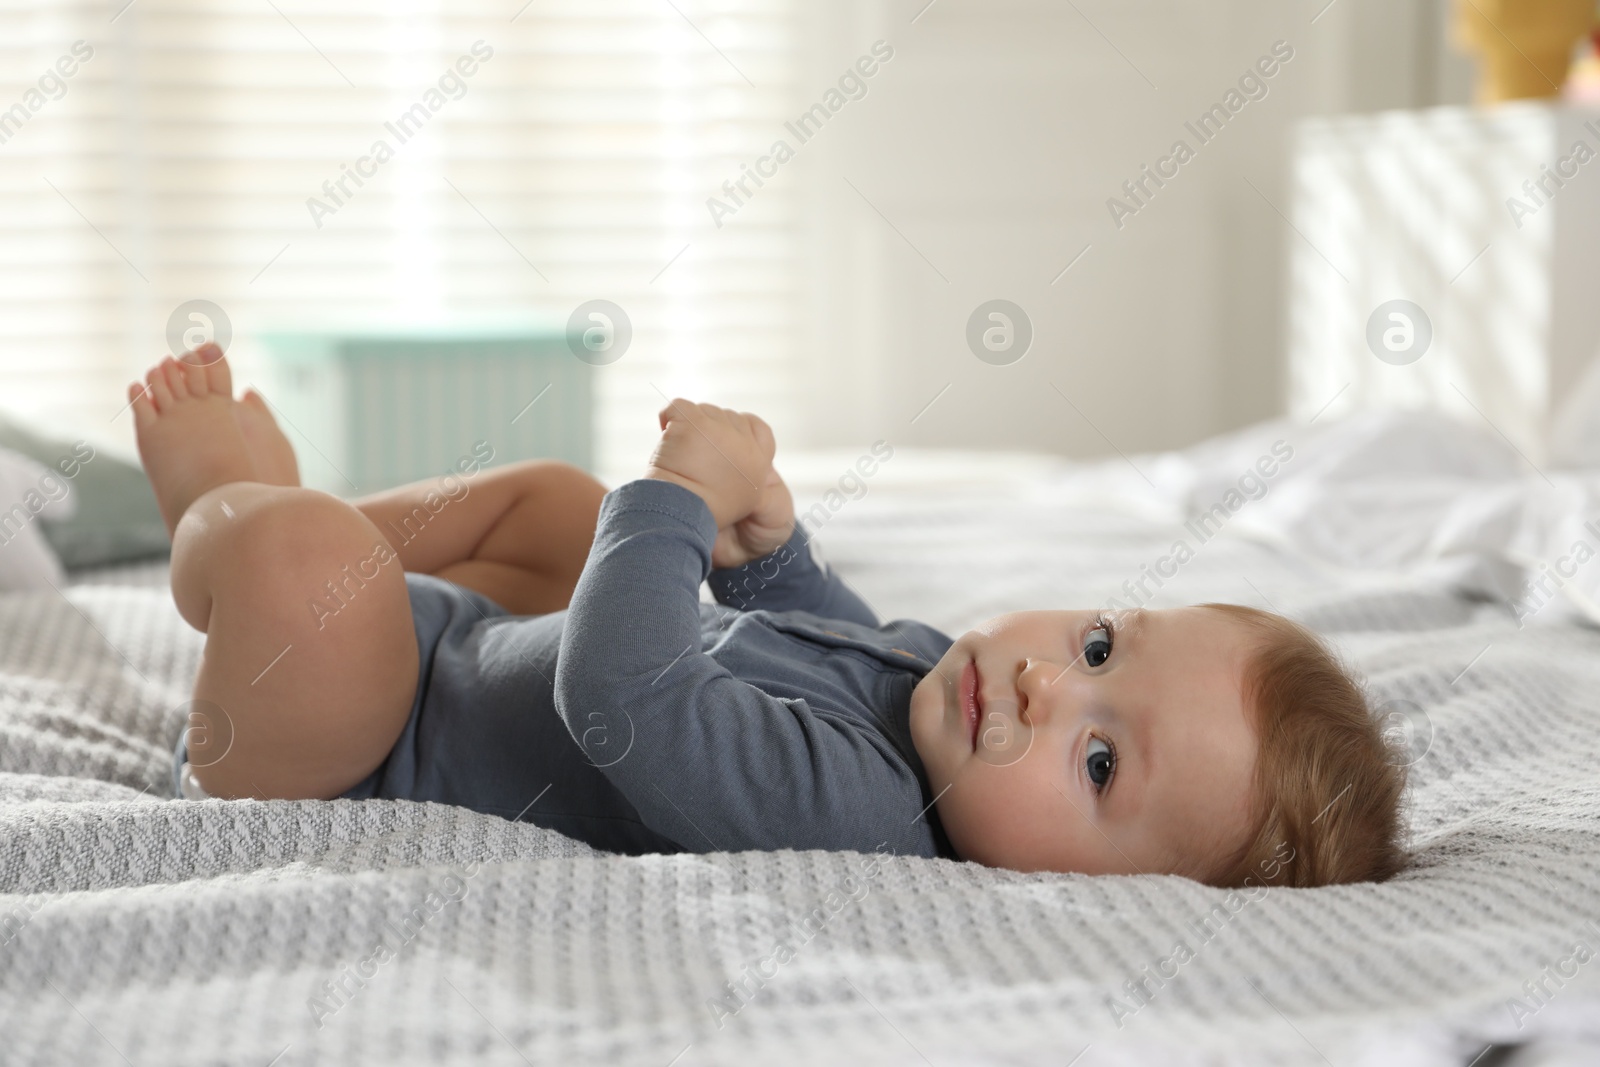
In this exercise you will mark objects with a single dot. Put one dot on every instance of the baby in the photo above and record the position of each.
(521, 642)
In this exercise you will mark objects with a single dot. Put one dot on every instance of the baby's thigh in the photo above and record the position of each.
(310, 664)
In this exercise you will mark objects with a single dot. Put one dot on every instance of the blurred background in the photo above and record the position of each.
(177, 170)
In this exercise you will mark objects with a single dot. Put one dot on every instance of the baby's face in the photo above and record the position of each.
(1098, 742)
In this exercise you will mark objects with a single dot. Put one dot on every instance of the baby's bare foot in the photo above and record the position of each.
(188, 437)
(270, 450)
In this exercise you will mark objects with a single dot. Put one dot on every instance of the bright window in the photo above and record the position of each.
(573, 162)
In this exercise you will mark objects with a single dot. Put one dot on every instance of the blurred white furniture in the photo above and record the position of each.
(1431, 207)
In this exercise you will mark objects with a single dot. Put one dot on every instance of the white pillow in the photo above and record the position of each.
(28, 492)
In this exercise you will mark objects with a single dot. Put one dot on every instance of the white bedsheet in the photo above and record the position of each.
(1409, 496)
(142, 929)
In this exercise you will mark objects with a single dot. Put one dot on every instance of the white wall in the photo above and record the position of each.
(992, 141)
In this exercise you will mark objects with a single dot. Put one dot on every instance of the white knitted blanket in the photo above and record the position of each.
(135, 928)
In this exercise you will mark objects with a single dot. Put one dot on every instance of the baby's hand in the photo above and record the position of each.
(725, 458)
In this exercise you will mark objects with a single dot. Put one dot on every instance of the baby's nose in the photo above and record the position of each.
(1033, 689)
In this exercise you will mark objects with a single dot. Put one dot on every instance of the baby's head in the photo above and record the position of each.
(1218, 742)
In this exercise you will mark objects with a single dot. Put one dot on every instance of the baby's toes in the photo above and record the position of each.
(156, 380)
(172, 370)
(193, 376)
(144, 411)
(219, 376)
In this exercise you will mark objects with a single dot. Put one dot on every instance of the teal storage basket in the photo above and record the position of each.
(367, 411)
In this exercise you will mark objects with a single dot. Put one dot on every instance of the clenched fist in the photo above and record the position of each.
(725, 458)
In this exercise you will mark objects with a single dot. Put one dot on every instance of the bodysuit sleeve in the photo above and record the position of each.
(706, 758)
(790, 579)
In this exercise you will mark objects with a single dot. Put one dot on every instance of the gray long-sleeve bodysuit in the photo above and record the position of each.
(642, 720)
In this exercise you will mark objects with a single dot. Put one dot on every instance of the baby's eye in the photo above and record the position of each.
(1101, 763)
(1097, 646)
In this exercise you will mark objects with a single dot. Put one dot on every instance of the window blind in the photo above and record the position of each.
(539, 156)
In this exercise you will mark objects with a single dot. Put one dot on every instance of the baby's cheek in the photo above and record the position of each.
(1029, 822)
(978, 808)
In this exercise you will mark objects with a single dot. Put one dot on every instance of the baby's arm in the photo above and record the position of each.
(790, 580)
(761, 555)
(725, 458)
(706, 758)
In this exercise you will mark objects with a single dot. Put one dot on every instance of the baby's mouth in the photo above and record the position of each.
(971, 702)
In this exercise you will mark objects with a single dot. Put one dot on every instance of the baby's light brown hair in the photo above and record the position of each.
(1327, 785)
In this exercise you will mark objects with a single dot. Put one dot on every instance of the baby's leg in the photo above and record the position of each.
(292, 699)
(518, 534)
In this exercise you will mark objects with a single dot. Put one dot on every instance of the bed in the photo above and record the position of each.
(138, 928)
